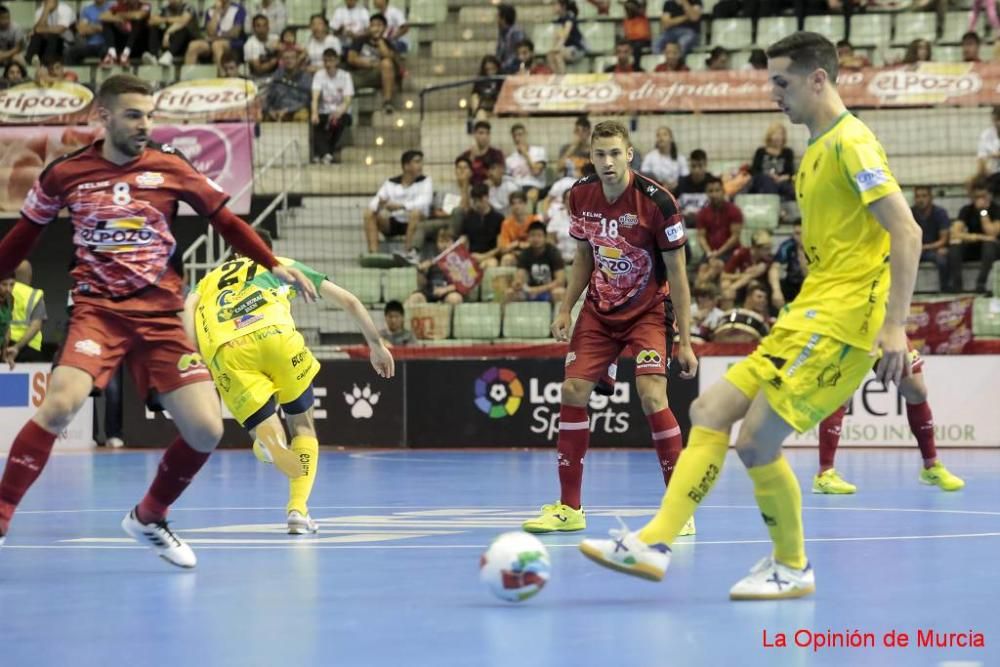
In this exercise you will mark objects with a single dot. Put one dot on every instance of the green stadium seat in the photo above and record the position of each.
(830, 26)
(366, 284)
(870, 29)
(947, 54)
(480, 321)
(22, 13)
(83, 72)
(653, 11)
(650, 61)
(299, 11)
(986, 317)
(155, 74)
(956, 24)
(427, 12)
(692, 243)
(914, 25)
(542, 35)
(759, 211)
(598, 37)
(492, 276)
(732, 33)
(772, 28)
(192, 72)
(527, 320)
(400, 283)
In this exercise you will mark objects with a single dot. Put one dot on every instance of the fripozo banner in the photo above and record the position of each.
(741, 90)
(62, 103)
(209, 100)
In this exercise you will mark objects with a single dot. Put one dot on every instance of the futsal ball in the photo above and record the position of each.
(515, 566)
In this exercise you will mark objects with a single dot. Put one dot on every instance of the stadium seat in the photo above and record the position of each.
(732, 33)
(759, 211)
(84, 73)
(830, 26)
(400, 283)
(430, 321)
(366, 284)
(870, 29)
(299, 11)
(493, 276)
(947, 54)
(156, 74)
(956, 24)
(927, 279)
(480, 321)
(986, 317)
(598, 37)
(996, 279)
(600, 62)
(192, 72)
(482, 14)
(696, 61)
(914, 25)
(653, 11)
(650, 61)
(542, 36)
(527, 320)
(695, 248)
(772, 28)
(22, 13)
(427, 12)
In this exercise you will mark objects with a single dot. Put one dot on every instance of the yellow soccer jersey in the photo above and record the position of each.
(844, 295)
(240, 297)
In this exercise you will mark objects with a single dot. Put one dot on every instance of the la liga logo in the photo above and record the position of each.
(498, 393)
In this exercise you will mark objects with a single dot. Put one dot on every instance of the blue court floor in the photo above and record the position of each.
(392, 579)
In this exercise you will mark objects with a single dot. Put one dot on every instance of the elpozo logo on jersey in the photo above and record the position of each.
(203, 97)
(612, 261)
(118, 235)
(31, 103)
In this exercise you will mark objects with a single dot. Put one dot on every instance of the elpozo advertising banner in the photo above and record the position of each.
(924, 84)
(221, 151)
(962, 396)
(22, 391)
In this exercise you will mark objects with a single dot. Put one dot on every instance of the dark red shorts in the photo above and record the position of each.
(155, 347)
(595, 345)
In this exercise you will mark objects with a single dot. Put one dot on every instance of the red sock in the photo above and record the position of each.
(922, 424)
(177, 468)
(28, 455)
(574, 437)
(666, 439)
(829, 438)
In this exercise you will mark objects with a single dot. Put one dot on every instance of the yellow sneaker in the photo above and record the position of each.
(938, 475)
(831, 482)
(688, 528)
(556, 518)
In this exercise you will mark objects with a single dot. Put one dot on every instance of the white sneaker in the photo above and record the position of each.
(148, 58)
(166, 59)
(770, 580)
(688, 529)
(160, 539)
(301, 525)
(626, 553)
(115, 443)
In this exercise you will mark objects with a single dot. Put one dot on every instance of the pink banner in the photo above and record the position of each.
(940, 327)
(459, 267)
(222, 151)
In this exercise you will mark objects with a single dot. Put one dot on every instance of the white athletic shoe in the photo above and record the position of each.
(770, 580)
(166, 59)
(627, 554)
(299, 524)
(115, 443)
(160, 539)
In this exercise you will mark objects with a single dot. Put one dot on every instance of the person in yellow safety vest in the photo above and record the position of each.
(27, 319)
(6, 309)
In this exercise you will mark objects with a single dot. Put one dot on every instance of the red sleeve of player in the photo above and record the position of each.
(576, 228)
(203, 194)
(45, 199)
(668, 223)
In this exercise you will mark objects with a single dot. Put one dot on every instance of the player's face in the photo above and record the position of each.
(128, 121)
(791, 90)
(611, 157)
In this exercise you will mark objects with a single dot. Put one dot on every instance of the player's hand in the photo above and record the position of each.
(688, 361)
(560, 326)
(895, 362)
(382, 360)
(293, 276)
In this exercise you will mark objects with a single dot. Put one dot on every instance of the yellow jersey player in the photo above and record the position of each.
(862, 246)
(240, 315)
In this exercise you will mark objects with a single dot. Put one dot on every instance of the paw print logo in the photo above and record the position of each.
(362, 401)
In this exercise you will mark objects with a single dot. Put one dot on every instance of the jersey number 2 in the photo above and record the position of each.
(231, 268)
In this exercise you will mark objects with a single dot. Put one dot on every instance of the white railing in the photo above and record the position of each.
(208, 250)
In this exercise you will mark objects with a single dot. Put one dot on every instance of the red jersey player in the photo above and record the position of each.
(630, 241)
(122, 193)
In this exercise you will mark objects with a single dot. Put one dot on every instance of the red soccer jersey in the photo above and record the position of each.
(121, 216)
(627, 237)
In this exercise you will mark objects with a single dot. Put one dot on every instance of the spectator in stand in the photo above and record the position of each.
(625, 62)
(574, 155)
(791, 258)
(663, 164)
(170, 33)
(481, 227)
(990, 6)
(274, 10)
(332, 92)
(501, 185)
(486, 89)
(224, 22)
(400, 204)
(290, 90)
(320, 40)
(558, 220)
(432, 282)
(756, 60)
(673, 59)
(126, 30)
(934, 222)
(13, 75)
(374, 63)
(526, 63)
(773, 167)
(755, 300)
(90, 41)
(52, 33)
(396, 26)
(510, 36)
(988, 153)
(635, 28)
(718, 59)
(261, 53)
(848, 60)
(395, 332)
(567, 45)
(526, 164)
(514, 230)
(352, 22)
(691, 194)
(974, 237)
(918, 51)
(541, 272)
(53, 71)
(229, 67)
(747, 265)
(481, 152)
(450, 203)
(11, 39)
(705, 311)
(970, 47)
(287, 42)
(680, 22)
(719, 223)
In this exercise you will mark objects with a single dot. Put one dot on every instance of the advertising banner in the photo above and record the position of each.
(22, 391)
(940, 327)
(209, 100)
(61, 103)
(962, 396)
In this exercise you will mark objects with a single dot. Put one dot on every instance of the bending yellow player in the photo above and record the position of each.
(240, 315)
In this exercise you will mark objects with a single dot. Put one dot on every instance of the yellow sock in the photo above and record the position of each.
(306, 448)
(780, 500)
(697, 469)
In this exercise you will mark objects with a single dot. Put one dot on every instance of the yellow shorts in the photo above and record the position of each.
(251, 369)
(805, 376)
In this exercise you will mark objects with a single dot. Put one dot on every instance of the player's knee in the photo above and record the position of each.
(204, 433)
(576, 391)
(652, 402)
(58, 409)
(699, 411)
(915, 392)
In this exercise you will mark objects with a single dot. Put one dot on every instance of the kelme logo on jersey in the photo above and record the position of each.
(611, 261)
(498, 392)
(118, 235)
(867, 179)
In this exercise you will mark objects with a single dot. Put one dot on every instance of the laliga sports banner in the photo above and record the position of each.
(209, 100)
(22, 391)
(741, 90)
(940, 327)
(62, 103)
(962, 397)
(221, 151)
(459, 267)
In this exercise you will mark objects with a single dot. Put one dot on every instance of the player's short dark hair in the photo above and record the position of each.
(588, 169)
(698, 155)
(462, 158)
(517, 195)
(257, 17)
(507, 13)
(610, 128)
(378, 17)
(972, 36)
(394, 307)
(709, 180)
(808, 52)
(517, 126)
(122, 84)
(482, 124)
(410, 156)
(321, 17)
(331, 53)
(265, 236)
(526, 43)
(928, 188)
(537, 226)
(493, 161)
(479, 191)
